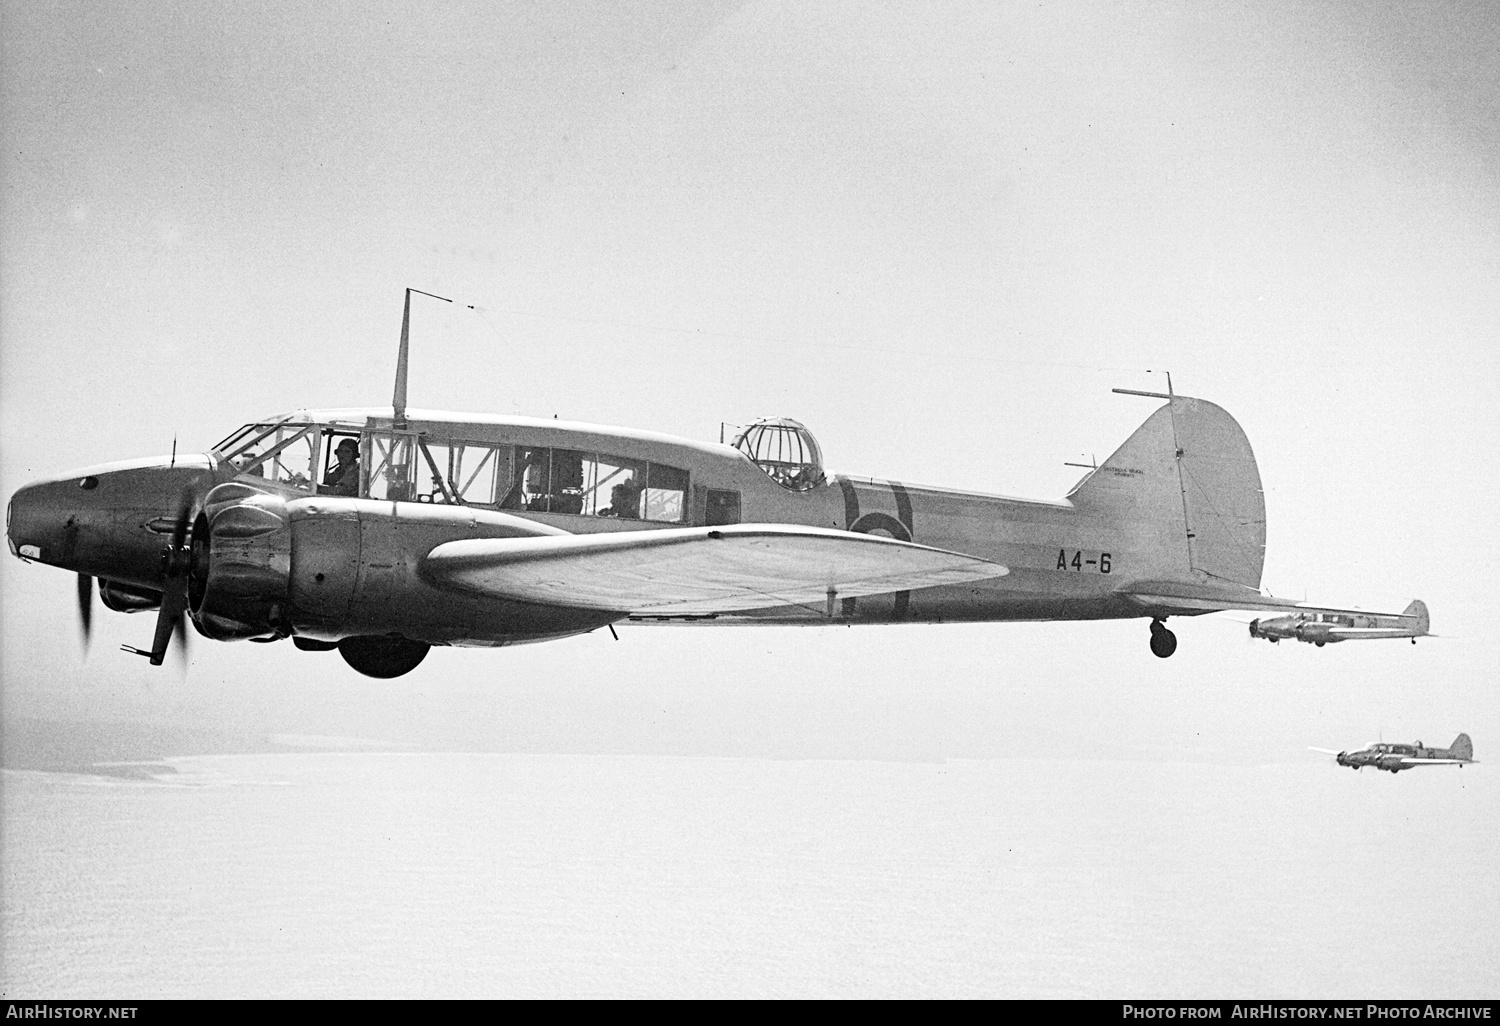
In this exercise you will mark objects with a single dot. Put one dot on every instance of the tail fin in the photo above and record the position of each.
(1186, 489)
(1418, 608)
(1461, 748)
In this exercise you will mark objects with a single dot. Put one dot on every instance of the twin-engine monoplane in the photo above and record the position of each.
(1328, 626)
(384, 532)
(1395, 757)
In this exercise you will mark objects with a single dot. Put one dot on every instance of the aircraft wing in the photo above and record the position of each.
(1185, 598)
(697, 570)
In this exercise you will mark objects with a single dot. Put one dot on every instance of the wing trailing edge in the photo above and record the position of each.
(1183, 598)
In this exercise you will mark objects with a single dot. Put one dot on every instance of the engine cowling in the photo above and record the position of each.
(127, 598)
(241, 566)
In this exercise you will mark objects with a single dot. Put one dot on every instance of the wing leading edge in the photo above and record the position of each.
(698, 570)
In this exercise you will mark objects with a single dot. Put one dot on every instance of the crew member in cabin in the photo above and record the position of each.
(343, 477)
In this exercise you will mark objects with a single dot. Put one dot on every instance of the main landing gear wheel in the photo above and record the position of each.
(1163, 641)
(382, 657)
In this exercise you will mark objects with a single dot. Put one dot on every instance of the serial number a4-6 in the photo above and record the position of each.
(1076, 560)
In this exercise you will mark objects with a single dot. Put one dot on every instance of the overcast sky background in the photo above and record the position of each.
(938, 234)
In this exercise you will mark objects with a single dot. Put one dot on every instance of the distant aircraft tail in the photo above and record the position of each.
(1461, 748)
(1418, 608)
(1186, 489)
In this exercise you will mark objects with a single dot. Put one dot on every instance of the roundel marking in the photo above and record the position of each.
(881, 524)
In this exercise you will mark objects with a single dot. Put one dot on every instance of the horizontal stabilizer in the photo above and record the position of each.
(698, 570)
(1185, 598)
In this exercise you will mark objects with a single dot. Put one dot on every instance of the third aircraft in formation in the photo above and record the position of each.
(1397, 757)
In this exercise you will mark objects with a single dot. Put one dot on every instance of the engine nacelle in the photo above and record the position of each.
(241, 568)
(1281, 628)
(1271, 630)
(335, 570)
(127, 598)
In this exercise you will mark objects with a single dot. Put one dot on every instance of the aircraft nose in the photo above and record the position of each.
(101, 520)
(39, 521)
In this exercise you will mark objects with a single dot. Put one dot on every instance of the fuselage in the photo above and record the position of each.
(316, 524)
(1394, 757)
(1329, 628)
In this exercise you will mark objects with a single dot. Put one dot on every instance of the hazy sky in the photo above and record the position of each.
(937, 234)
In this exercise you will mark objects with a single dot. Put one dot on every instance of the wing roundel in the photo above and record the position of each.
(697, 570)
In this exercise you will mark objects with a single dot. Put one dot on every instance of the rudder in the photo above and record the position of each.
(1187, 483)
(1418, 608)
(1462, 748)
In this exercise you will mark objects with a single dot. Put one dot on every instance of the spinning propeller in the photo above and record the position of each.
(176, 561)
(85, 607)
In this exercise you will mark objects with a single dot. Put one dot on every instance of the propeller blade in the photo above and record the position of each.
(176, 560)
(182, 637)
(85, 606)
(168, 620)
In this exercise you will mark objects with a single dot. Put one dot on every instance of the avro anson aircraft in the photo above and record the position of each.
(1327, 627)
(1398, 757)
(383, 532)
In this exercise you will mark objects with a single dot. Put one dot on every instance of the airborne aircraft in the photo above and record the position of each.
(382, 532)
(1397, 757)
(1325, 628)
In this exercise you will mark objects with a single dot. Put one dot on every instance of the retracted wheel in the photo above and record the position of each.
(382, 657)
(1163, 641)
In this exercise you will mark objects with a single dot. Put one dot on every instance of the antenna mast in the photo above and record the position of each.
(398, 398)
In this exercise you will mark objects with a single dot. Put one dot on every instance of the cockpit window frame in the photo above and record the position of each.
(265, 428)
(277, 449)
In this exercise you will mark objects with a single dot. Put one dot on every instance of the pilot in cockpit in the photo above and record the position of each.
(624, 501)
(343, 477)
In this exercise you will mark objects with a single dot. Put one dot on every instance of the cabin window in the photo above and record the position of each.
(546, 481)
(386, 463)
(584, 483)
(666, 493)
(613, 487)
(723, 508)
(461, 473)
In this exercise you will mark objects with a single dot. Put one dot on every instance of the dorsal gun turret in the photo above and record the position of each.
(785, 450)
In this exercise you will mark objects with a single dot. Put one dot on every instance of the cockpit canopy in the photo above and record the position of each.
(349, 454)
(785, 450)
(285, 449)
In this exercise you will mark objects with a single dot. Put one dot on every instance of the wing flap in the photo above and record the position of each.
(698, 570)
